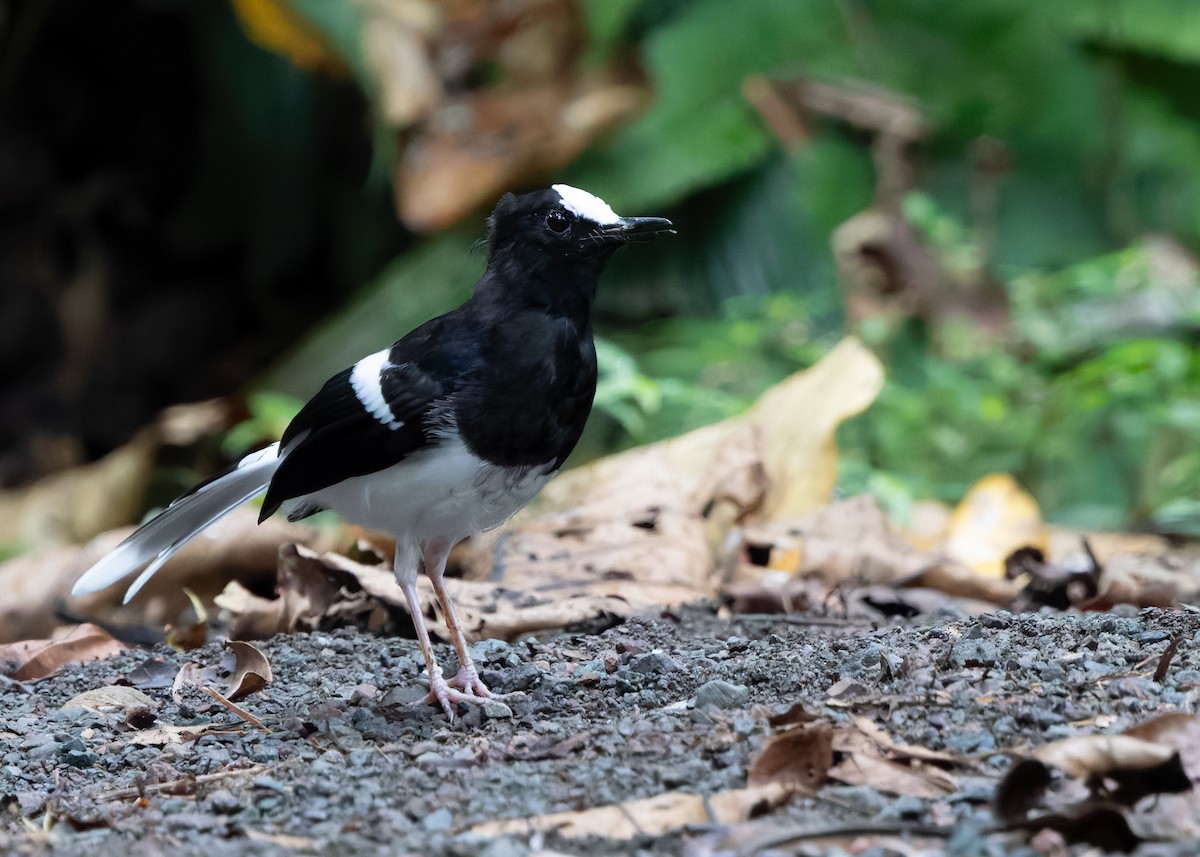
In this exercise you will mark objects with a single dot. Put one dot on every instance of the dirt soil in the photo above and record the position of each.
(350, 765)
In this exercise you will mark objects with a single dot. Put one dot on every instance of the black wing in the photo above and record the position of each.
(334, 437)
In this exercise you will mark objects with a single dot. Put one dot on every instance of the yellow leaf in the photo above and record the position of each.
(995, 518)
(274, 26)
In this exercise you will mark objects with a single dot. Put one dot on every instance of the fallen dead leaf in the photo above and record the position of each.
(1174, 816)
(652, 816)
(34, 659)
(286, 841)
(798, 457)
(168, 733)
(798, 758)
(396, 43)
(111, 699)
(896, 750)
(849, 544)
(527, 748)
(864, 763)
(74, 505)
(1087, 756)
(191, 674)
(995, 517)
(252, 671)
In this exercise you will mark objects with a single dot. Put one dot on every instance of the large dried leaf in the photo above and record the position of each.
(799, 758)
(112, 698)
(851, 544)
(865, 763)
(500, 139)
(396, 41)
(652, 816)
(35, 583)
(995, 518)
(34, 659)
(847, 542)
(1099, 755)
(796, 420)
(76, 504)
(1175, 815)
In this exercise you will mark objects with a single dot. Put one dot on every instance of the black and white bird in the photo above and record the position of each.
(446, 433)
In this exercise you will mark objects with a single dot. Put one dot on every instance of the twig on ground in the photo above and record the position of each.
(238, 710)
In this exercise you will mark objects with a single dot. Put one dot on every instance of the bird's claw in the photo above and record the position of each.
(467, 680)
(464, 687)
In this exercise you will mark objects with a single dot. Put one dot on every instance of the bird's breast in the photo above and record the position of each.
(532, 403)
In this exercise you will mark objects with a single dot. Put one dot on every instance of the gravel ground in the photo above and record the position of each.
(351, 766)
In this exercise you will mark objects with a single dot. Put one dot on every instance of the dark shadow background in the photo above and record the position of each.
(176, 206)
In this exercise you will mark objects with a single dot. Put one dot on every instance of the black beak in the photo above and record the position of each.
(640, 228)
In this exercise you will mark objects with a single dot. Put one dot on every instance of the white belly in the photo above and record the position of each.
(443, 491)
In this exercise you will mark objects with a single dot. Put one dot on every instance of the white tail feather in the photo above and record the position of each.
(159, 538)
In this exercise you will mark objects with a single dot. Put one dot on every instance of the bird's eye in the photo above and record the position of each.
(557, 222)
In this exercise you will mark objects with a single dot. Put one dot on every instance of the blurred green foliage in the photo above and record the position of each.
(1091, 395)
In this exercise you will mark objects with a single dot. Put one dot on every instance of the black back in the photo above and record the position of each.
(512, 371)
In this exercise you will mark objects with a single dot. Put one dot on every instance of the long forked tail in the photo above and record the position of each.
(158, 539)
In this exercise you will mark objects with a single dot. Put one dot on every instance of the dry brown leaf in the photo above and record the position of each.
(798, 456)
(1174, 816)
(896, 750)
(652, 816)
(252, 671)
(111, 699)
(1161, 580)
(34, 585)
(75, 505)
(1097, 755)
(168, 733)
(799, 758)
(850, 541)
(995, 517)
(396, 41)
(866, 764)
(34, 659)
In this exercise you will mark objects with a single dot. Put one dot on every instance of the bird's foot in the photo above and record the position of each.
(448, 694)
(467, 680)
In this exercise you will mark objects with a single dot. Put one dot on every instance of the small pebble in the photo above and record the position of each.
(653, 663)
(721, 694)
(494, 709)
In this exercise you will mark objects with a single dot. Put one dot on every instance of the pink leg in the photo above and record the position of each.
(440, 691)
(436, 553)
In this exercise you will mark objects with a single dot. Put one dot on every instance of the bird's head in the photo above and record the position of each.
(565, 222)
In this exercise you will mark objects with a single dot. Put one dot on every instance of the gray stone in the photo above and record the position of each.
(494, 709)
(720, 694)
(224, 802)
(439, 819)
(653, 663)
